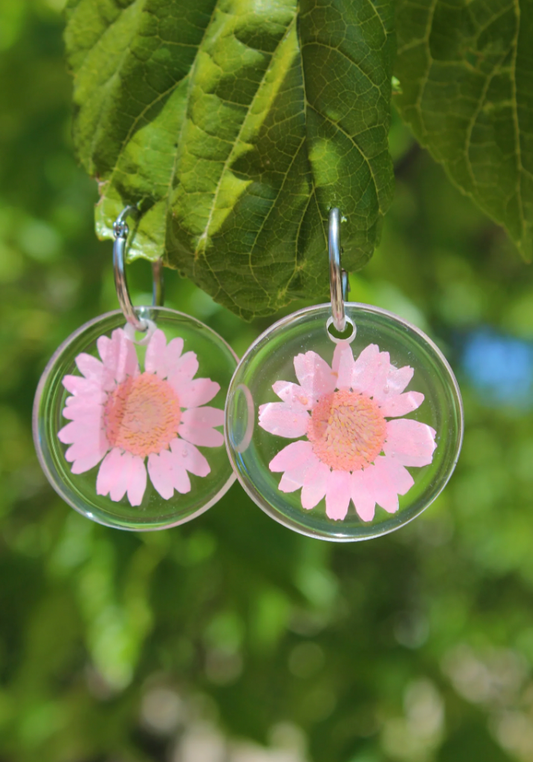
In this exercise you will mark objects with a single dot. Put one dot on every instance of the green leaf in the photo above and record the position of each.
(236, 126)
(466, 69)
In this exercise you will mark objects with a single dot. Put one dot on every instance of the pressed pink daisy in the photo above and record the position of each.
(134, 422)
(351, 452)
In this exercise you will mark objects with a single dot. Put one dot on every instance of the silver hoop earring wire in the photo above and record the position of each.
(338, 278)
(121, 231)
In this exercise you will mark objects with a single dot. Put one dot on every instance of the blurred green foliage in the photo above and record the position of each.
(231, 638)
(465, 75)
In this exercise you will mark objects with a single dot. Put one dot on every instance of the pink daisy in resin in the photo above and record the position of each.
(137, 422)
(351, 452)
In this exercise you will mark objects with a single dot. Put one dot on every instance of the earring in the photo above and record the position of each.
(128, 412)
(343, 421)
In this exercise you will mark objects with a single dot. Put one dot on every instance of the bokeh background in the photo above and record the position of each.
(231, 639)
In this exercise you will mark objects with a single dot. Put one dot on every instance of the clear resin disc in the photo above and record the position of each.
(128, 426)
(343, 439)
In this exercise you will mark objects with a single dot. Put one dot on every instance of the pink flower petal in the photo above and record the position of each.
(314, 374)
(337, 494)
(362, 492)
(197, 392)
(384, 482)
(94, 370)
(284, 420)
(89, 366)
(162, 358)
(381, 484)
(173, 354)
(160, 473)
(315, 485)
(190, 458)
(371, 370)
(202, 436)
(392, 476)
(112, 477)
(168, 474)
(86, 436)
(401, 404)
(120, 484)
(364, 362)
(292, 394)
(292, 456)
(386, 498)
(183, 370)
(136, 481)
(81, 465)
(178, 474)
(410, 442)
(90, 447)
(83, 412)
(203, 416)
(83, 432)
(343, 364)
(83, 400)
(118, 355)
(378, 383)
(108, 472)
(294, 479)
(154, 361)
(398, 379)
(122, 473)
(69, 433)
(80, 386)
(182, 483)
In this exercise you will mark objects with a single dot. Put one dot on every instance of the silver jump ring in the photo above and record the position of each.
(338, 278)
(120, 231)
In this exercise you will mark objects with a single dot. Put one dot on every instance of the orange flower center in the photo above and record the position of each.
(142, 415)
(347, 430)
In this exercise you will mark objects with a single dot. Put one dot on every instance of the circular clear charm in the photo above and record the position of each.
(128, 425)
(343, 439)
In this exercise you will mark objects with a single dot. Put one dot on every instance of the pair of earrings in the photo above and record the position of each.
(343, 421)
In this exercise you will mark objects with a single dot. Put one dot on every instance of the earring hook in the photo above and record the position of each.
(121, 231)
(338, 278)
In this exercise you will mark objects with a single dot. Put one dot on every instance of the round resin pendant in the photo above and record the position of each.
(343, 438)
(128, 425)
